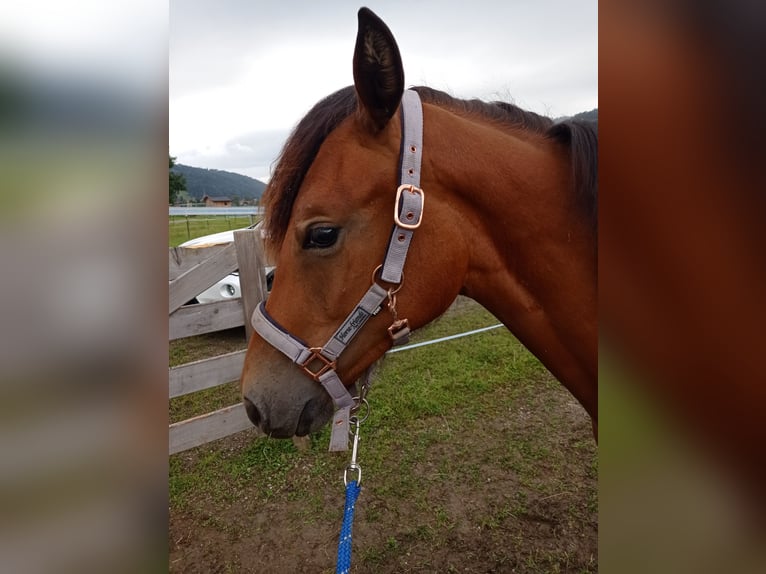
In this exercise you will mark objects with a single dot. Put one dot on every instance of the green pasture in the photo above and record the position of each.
(183, 227)
(458, 417)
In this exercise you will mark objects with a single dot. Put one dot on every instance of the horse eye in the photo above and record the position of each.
(320, 238)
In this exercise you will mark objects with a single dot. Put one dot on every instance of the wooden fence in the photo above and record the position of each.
(191, 271)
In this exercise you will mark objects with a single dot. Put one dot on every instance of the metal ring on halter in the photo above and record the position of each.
(390, 291)
(355, 418)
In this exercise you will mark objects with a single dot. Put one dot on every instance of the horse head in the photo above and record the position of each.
(329, 215)
(510, 221)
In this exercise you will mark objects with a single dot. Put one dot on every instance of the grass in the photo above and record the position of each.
(468, 452)
(470, 458)
(400, 398)
(183, 228)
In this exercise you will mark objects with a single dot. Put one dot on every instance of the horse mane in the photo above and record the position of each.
(302, 146)
(581, 138)
(502, 113)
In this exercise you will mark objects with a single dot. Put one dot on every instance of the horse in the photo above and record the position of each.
(510, 221)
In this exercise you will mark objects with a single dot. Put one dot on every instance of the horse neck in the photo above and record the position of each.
(532, 255)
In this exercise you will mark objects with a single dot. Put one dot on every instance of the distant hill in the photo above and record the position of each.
(216, 183)
(590, 116)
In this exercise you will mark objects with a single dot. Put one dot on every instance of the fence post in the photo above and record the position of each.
(252, 275)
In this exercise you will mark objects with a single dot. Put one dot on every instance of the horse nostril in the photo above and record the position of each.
(252, 411)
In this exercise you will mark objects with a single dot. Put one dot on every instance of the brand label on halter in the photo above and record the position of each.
(352, 324)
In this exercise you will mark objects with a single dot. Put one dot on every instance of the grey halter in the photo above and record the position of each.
(319, 363)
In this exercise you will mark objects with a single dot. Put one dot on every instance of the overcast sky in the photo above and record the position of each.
(243, 72)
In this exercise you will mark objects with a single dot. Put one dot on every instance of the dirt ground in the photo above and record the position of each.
(478, 508)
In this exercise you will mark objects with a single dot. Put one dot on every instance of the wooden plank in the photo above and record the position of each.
(209, 427)
(205, 373)
(202, 318)
(192, 282)
(181, 259)
(252, 275)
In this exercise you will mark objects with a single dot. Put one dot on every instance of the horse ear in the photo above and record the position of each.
(378, 71)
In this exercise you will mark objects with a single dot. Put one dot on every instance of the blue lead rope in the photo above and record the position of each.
(344, 543)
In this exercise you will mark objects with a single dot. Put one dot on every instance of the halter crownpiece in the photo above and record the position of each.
(320, 363)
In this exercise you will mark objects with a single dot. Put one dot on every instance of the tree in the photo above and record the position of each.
(177, 182)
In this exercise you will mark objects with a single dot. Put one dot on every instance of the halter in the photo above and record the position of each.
(320, 363)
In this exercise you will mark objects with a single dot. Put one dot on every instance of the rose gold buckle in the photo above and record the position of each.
(399, 331)
(326, 364)
(411, 189)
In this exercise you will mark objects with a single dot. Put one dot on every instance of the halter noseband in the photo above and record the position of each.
(320, 363)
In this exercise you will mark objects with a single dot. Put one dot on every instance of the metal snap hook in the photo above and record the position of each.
(363, 406)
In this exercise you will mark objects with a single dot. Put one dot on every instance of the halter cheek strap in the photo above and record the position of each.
(320, 363)
(408, 208)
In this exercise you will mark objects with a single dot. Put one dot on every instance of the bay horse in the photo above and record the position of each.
(510, 221)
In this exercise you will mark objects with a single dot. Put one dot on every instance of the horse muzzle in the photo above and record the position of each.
(281, 400)
(311, 419)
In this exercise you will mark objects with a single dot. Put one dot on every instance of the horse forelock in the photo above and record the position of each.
(296, 158)
(302, 146)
